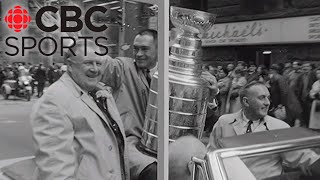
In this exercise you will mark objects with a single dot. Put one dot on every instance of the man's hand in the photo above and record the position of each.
(213, 84)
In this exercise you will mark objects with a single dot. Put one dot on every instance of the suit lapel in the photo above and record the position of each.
(78, 92)
(143, 78)
(114, 113)
(93, 106)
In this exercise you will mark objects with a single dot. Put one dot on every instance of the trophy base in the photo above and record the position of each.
(145, 150)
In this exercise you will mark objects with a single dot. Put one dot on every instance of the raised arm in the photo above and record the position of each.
(113, 73)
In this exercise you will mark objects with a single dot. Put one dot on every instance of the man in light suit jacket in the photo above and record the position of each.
(251, 118)
(74, 138)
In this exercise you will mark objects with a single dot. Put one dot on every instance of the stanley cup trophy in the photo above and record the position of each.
(188, 91)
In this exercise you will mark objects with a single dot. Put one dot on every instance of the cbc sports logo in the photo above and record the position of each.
(18, 19)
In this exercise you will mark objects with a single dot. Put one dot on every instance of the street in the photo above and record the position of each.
(15, 129)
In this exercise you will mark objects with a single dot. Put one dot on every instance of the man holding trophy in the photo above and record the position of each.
(191, 89)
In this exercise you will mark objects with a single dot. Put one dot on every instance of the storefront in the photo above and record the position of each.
(264, 41)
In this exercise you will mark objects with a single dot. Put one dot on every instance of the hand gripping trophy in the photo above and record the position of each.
(188, 91)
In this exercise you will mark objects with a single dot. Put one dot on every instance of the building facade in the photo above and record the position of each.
(263, 31)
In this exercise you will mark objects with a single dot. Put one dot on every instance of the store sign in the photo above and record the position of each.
(275, 31)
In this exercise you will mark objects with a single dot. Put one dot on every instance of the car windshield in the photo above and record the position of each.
(281, 155)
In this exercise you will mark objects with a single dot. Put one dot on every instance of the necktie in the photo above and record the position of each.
(249, 130)
(101, 103)
(147, 75)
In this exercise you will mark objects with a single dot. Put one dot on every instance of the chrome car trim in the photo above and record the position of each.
(215, 157)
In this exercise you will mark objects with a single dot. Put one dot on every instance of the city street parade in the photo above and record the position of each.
(160, 90)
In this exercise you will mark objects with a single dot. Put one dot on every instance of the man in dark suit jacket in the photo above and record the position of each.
(303, 87)
(41, 78)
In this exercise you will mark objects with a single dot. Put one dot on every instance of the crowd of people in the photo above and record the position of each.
(39, 74)
(293, 86)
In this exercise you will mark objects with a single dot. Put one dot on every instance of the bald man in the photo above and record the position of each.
(73, 137)
(180, 153)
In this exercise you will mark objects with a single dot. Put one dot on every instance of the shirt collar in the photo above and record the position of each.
(246, 120)
(154, 69)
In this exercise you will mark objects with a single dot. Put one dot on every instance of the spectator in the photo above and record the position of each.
(315, 90)
(252, 74)
(315, 96)
(224, 84)
(287, 69)
(284, 102)
(303, 87)
(41, 78)
(56, 74)
(2, 75)
(230, 68)
(50, 73)
(238, 80)
(294, 75)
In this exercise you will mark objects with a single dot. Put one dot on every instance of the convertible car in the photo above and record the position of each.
(232, 162)
(228, 163)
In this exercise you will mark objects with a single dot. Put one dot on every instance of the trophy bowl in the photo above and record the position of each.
(188, 91)
(192, 21)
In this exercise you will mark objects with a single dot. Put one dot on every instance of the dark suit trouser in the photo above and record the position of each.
(40, 88)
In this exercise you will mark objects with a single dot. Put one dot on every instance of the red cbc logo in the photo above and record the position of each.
(17, 18)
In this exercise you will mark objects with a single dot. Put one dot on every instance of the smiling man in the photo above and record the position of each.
(130, 78)
(252, 118)
(130, 81)
(72, 135)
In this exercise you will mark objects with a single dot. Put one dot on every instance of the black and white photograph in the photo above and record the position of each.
(159, 90)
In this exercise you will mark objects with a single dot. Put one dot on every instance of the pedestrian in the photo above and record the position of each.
(41, 78)
(50, 73)
(224, 84)
(315, 96)
(284, 102)
(74, 137)
(2, 75)
(303, 87)
(238, 80)
(253, 118)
